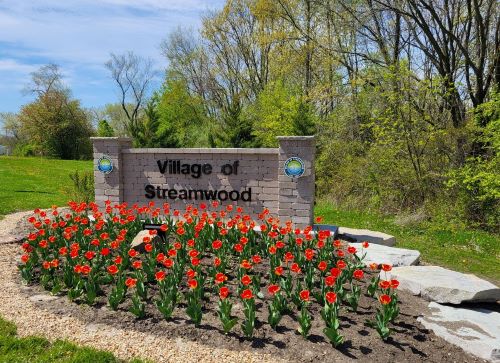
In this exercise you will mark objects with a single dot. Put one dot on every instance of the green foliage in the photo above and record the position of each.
(236, 129)
(57, 126)
(147, 130)
(104, 129)
(82, 188)
(181, 116)
(477, 183)
(280, 111)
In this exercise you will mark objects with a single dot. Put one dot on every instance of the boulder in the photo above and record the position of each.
(138, 240)
(444, 286)
(389, 255)
(475, 330)
(361, 235)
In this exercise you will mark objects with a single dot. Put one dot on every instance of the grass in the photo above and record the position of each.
(35, 349)
(463, 250)
(28, 183)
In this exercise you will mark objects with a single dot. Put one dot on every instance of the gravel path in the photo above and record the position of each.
(125, 344)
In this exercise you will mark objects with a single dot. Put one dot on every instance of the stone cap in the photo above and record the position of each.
(114, 138)
(271, 151)
(296, 138)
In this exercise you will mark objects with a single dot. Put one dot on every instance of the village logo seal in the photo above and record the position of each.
(294, 167)
(105, 165)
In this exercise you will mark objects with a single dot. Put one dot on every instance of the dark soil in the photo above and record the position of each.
(409, 341)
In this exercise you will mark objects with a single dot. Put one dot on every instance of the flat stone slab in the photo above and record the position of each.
(435, 283)
(475, 330)
(389, 255)
(361, 235)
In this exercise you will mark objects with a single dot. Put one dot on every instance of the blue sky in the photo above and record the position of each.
(79, 35)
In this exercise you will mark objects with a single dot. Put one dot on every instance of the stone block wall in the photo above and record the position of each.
(259, 170)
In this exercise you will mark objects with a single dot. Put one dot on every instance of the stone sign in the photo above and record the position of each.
(279, 179)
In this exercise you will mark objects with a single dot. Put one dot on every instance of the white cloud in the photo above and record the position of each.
(12, 65)
(79, 35)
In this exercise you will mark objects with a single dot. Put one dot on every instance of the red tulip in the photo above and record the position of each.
(384, 299)
(384, 284)
(223, 292)
(330, 280)
(193, 284)
(331, 297)
(246, 280)
(220, 278)
(247, 294)
(113, 269)
(358, 274)
(304, 295)
(160, 275)
(273, 289)
(394, 284)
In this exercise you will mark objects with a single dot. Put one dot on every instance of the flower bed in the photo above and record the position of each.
(204, 252)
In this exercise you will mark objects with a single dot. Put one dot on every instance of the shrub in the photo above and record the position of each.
(82, 188)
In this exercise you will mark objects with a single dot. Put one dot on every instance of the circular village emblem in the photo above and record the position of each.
(294, 167)
(105, 165)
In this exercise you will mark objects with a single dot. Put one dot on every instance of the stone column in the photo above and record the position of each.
(109, 186)
(296, 195)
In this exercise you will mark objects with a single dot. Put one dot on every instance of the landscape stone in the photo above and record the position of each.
(435, 283)
(475, 330)
(361, 235)
(389, 255)
(138, 239)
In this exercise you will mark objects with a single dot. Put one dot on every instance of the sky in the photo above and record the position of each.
(79, 36)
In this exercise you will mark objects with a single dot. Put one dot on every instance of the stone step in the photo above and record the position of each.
(475, 329)
(435, 283)
(388, 255)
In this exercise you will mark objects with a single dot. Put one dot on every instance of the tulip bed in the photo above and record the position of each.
(212, 249)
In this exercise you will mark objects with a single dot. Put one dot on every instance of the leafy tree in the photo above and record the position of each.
(236, 129)
(147, 135)
(303, 123)
(55, 125)
(280, 111)
(477, 183)
(182, 118)
(104, 129)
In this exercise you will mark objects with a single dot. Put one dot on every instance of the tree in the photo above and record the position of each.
(182, 117)
(278, 111)
(148, 133)
(55, 125)
(133, 76)
(104, 129)
(46, 79)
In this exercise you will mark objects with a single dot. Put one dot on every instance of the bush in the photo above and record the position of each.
(476, 185)
(82, 189)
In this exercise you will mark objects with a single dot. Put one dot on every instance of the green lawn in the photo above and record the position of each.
(36, 349)
(463, 250)
(28, 183)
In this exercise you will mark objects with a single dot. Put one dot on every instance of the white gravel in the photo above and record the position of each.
(124, 344)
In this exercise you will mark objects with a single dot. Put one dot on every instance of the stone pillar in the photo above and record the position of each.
(296, 195)
(109, 186)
